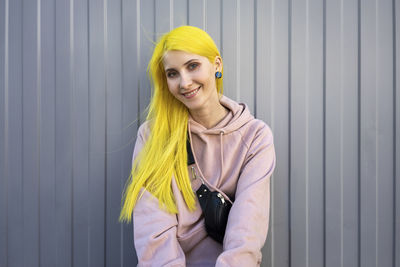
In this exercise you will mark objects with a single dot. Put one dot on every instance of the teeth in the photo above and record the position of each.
(192, 93)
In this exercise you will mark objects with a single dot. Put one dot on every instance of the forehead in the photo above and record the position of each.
(175, 58)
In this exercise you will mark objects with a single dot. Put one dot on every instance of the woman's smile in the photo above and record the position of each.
(191, 94)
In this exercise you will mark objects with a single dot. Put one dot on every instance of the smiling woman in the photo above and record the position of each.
(197, 140)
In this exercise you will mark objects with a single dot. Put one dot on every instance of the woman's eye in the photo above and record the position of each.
(171, 74)
(192, 66)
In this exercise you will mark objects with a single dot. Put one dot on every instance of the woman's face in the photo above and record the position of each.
(191, 79)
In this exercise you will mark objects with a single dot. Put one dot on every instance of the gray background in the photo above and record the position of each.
(322, 73)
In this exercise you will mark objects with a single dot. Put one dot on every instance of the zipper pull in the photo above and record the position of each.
(221, 197)
(195, 176)
(194, 173)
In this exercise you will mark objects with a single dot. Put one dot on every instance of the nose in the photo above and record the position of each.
(186, 81)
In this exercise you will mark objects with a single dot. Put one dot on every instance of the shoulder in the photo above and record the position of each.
(256, 131)
(144, 131)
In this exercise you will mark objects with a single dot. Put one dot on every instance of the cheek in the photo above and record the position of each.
(172, 86)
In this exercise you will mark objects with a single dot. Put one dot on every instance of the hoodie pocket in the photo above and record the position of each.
(191, 238)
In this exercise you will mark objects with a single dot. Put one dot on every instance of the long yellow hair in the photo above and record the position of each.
(164, 154)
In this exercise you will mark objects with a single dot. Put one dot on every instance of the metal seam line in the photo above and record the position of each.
(307, 58)
(72, 85)
(6, 115)
(38, 103)
(341, 130)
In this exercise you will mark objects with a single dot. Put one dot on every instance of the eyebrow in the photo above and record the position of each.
(184, 64)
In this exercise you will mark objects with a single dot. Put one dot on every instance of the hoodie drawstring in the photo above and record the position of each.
(221, 154)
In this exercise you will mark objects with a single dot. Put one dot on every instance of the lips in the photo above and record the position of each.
(191, 93)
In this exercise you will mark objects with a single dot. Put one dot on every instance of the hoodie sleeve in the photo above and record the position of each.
(154, 229)
(248, 220)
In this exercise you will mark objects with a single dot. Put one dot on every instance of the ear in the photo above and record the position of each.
(218, 63)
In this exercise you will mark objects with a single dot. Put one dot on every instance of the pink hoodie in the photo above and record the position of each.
(236, 157)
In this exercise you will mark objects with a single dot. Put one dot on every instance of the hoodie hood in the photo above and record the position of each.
(238, 116)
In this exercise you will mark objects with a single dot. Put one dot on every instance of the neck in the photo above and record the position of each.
(209, 118)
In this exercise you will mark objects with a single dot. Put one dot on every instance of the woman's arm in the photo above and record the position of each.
(154, 229)
(248, 220)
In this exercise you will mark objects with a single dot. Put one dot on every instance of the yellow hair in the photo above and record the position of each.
(164, 154)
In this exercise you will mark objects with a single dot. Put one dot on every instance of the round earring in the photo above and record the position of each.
(218, 74)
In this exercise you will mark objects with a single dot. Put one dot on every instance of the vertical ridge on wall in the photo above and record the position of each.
(4, 70)
(396, 178)
(396, 17)
(106, 123)
(289, 125)
(324, 132)
(396, 103)
(72, 115)
(38, 119)
(359, 131)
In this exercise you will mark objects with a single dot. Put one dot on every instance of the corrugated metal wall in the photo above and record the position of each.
(323, 74)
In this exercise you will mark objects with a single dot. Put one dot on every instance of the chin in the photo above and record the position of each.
(193, 106)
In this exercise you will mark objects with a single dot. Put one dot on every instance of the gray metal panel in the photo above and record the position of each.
(263, 91)
(30, 134)
(3, 128)
(307, 245)
(350, 135)
(307, 134)
(341, 135)
(163, 20)
(113, 132)
(272, 106)
(63, 135)
(180, 12)
(246, 54)
(148, 35)
(73, 84)
(385, 133)
(376, 134)
(196, 13)
(130, 104)
(14, 152)
(213, 20)
(230, 47)
(97, 132)
(315, 131)
(81, 135)
(48, 241)
(299, 141)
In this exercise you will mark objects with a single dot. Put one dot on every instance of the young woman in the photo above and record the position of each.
(233, 154)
